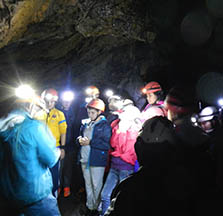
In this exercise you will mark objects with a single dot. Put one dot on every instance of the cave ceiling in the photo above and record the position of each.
(109, 42)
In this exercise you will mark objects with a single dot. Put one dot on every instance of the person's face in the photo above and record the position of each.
(95, 96)
(51, 104)
(151, 98)
(206, 126)
(114, 105)
(93, 113)
(66, 104)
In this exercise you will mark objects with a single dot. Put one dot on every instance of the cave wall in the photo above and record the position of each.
(109, 43)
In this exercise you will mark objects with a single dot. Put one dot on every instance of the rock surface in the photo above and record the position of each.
(106, 42)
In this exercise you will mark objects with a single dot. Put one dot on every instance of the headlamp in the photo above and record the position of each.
(89, 91)
(144, 90)
(67, 96)
(109, 93)
(88, 99)
(220, 102)
(194, 120)
(24, 92)
(50, 97)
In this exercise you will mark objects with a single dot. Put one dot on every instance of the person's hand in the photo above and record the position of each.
(62, 155)
(80, 139)
(84, 141)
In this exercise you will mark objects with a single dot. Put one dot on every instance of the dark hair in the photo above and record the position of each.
(92, 108)
(160, 95)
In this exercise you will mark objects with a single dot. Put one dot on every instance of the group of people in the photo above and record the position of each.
(158, 160)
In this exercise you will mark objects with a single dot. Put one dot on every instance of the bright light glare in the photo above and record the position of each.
(193, 119)
(220, 101)
(144, 91)
(88, 91)
(24, 92)
(88, 99)
(48, 97)
(68, 96)
(109, 93)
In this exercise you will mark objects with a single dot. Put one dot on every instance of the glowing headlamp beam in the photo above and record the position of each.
(220, 102)
(68, 96)
(109, 93)
(24, 92)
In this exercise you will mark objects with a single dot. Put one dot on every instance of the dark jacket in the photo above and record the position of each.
(175, 177)
(70, 139)
(100, 142)
(80, 114)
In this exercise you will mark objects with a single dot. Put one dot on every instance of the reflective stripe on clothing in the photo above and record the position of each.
(62, 121)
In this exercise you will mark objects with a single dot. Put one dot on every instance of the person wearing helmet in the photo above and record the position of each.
(209, 120)
(56, 122)
(123, 157)
(115, 104)
(154, 96)
(193, 151)
(91, 92)
(68, 164)
(28, 150)
(150, 190)
(174, 171)
(94, 143)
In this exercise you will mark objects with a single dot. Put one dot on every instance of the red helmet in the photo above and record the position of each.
(179, 100)
(152, 87)
(92, 90)
(97, 104)
(50, 95)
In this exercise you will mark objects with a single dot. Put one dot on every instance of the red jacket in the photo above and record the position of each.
(123, 143)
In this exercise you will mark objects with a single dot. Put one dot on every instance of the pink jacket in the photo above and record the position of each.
(123, 143)
(153, 110)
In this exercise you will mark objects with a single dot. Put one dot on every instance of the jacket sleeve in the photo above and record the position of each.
(46, 146)
(101, 140)
(62, 123)
(81, 131)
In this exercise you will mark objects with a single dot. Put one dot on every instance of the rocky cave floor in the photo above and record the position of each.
(72, 205)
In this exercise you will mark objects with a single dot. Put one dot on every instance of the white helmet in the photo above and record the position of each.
(115, 103)
(114, 97)
(207, 114)
(127, 102)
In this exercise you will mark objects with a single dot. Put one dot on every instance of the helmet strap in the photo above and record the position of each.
(97, 116)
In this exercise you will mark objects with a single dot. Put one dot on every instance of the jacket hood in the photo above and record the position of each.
(156, 142)
(88, 120)
(13, 118)
(157, 129)
(129, 118)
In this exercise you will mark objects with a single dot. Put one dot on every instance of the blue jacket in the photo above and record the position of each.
(27, 150)
(100, 142)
